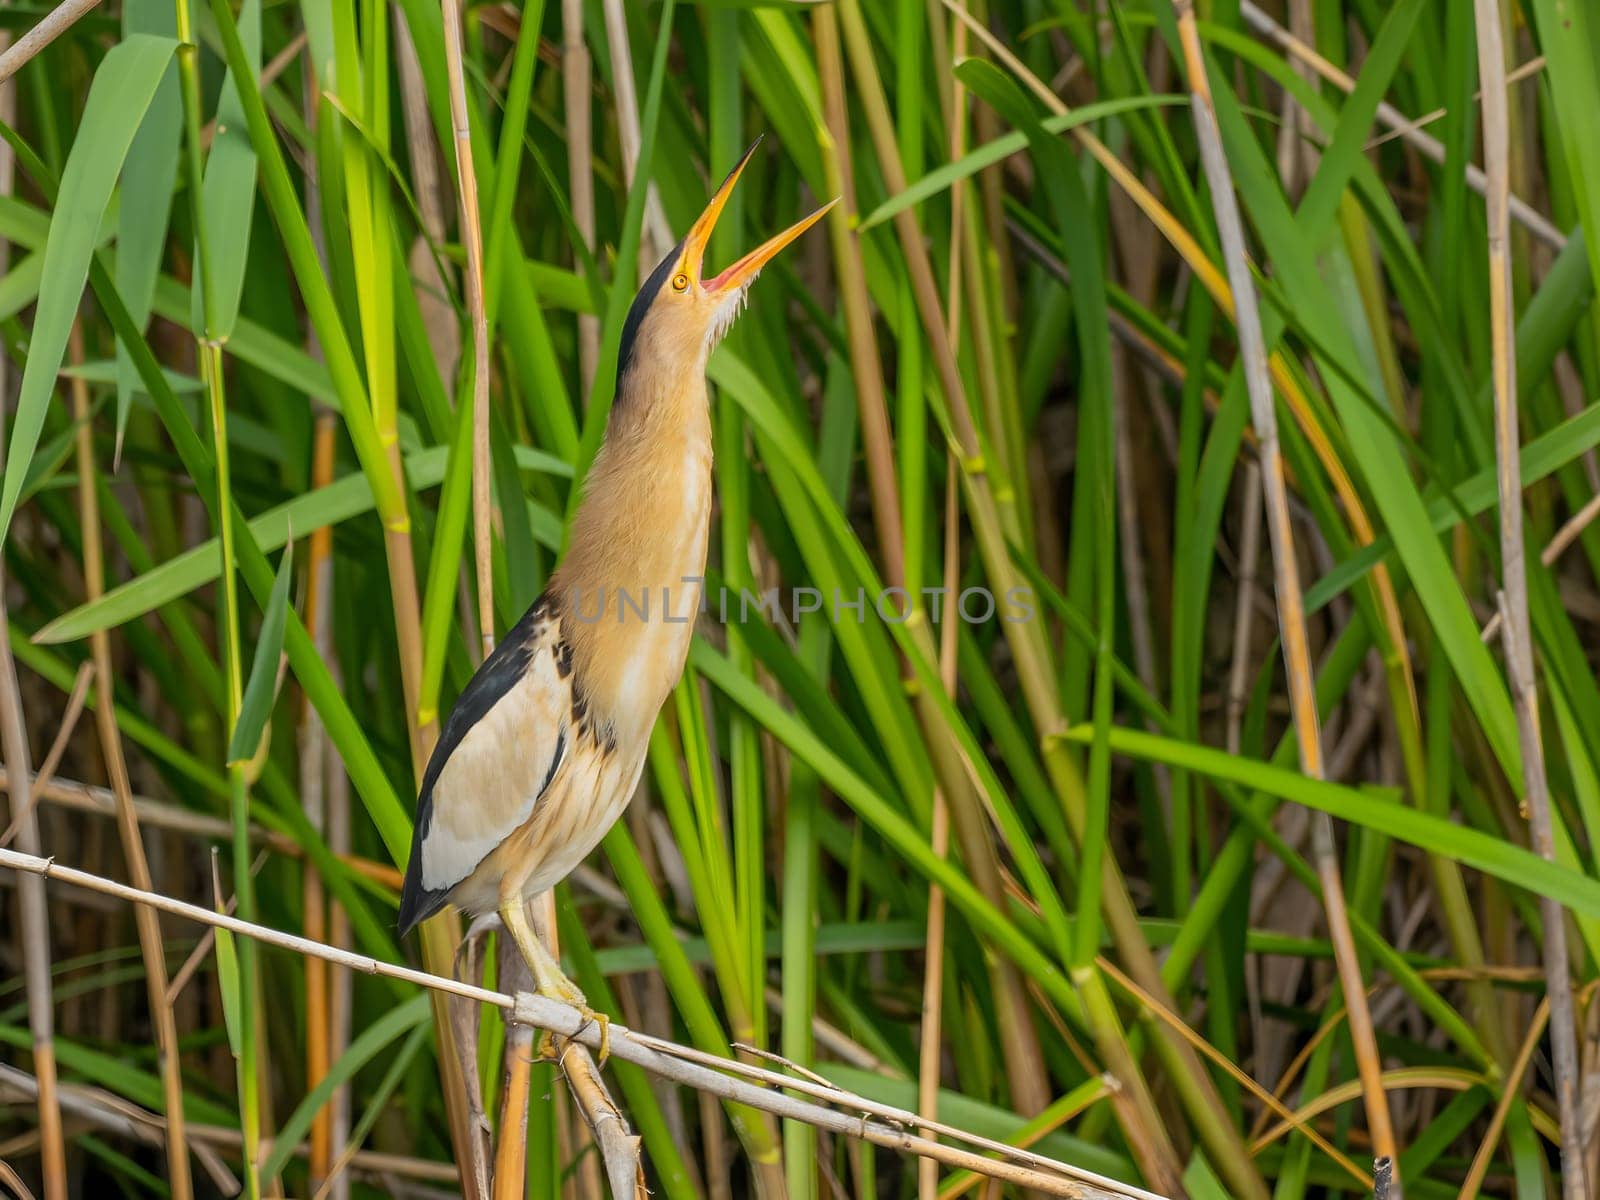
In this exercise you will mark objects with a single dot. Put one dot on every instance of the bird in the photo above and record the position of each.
(544, 747)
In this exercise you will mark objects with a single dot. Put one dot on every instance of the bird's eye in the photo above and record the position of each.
(680, 282)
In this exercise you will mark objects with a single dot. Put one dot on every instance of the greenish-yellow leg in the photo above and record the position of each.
(548, 977)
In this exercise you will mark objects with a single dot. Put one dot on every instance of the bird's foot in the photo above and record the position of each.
(592, 1017)
(564, 990)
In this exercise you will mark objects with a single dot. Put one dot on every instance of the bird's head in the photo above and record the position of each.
(681, 313)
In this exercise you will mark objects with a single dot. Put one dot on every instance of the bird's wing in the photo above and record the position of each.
(504, 742)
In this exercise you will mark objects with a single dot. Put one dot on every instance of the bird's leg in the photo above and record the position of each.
(548, 977)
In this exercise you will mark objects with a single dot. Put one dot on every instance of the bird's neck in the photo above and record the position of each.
(651, 475)
(629, 582)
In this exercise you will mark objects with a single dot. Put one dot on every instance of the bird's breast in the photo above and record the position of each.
(631, 584)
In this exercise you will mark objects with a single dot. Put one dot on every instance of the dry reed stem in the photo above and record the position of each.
(1291, 610)
(328, 988)
(50, 26)
(33, 927)
(1517, 636)
(151, 946)
(924, 289)
(69, 721)
(314, 748)
(465, 1022)
(312, 741)
(619, 1150)
(930, 1049)
(511, 1149)
(472, 235)
(575, 82)
(1510, 1088)
(430, 276)
(931, 1043)
(931, 1039)
(509, 1176)
(1382, 1178)
(618, 1144)
(627, 106)
(341, 994)
(862, 1108)
(32, 916)
(14, 1181)
(727, 1078)
(1430, 148)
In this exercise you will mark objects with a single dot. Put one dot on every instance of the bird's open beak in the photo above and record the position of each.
(746, 268)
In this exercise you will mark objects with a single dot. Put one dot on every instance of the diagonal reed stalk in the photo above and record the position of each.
(1519, 1069)
(830, 1107)
(1286, 580)
(52, 25)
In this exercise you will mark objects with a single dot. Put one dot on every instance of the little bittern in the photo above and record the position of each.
(544, 747)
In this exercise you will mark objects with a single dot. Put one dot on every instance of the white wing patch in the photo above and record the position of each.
(498, 770)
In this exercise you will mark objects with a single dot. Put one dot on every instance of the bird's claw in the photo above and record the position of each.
(592, 1017)
(545, 1048)
(568, 993)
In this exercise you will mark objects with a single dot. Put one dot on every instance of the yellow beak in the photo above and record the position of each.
(746, 268)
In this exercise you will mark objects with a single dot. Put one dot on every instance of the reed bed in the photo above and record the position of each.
(1144, 736)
